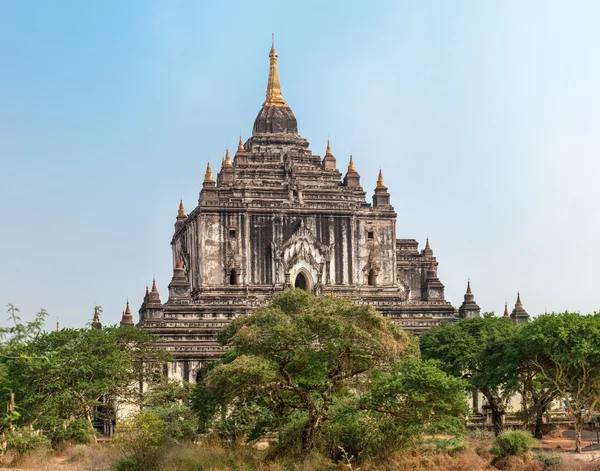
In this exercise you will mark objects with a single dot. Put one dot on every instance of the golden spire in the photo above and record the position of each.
(274, 96)
(328, 151)
(380, 183)
(506, 314)
(469, 287)
(240, 145)
(518, 304)
(351, 167)
(227, 162)
(208, 176)
(181, 210)
(127, 310)
(154, 289)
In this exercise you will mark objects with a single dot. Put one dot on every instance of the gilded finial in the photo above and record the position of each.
(240, 145)
(274, 95)
(328, 151)
(380, 183)
(181, 210)
(351, 167)
(127, 310)
(208, 176)
(154, 289)
(227, 162)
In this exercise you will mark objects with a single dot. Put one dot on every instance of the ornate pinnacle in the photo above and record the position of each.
(427, 247)
(469, 287)
(240, 145)
(506, 314)
(380, 183)
(328, 151)
(208, 176)
(179, 265)
(274, 95)
(154, 289)
(181, 210)
(147, 290)
(519, 304)
(127, 310)
(227, 162)
(351, 167)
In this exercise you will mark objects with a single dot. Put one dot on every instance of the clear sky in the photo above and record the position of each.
(483, 115)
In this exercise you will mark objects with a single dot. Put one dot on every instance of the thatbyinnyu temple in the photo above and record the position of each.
(279, 216)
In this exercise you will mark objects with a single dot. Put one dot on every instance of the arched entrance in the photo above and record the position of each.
(372, 279)
(301, 282)
(233, 278)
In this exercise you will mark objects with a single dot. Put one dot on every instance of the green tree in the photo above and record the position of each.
(58, 375)
(474, 349)
(419, 398)
(565, 349)
(290, 359)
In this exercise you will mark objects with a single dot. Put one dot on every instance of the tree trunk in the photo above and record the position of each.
(88, 417)
(308, 436)
(497, 419)
(578, 429)
(539, 418)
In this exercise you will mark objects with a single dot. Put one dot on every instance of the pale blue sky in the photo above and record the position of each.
(483, 115)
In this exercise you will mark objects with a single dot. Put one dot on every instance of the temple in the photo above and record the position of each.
(277, 216)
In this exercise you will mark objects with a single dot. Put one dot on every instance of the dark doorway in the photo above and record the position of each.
(371, 280)
(233, 277)
(300, 282)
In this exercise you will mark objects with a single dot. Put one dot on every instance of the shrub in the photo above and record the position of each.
(77, 432)
(180, 422)
(127, 464)
(139, 439)
(547, 460)
(512, 444)
(449, 446)
(23, 441)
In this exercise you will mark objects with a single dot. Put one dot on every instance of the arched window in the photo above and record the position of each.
(300, 282)
(233, 279)
(199, 376)
(372, 278)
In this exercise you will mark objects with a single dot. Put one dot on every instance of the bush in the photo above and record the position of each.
(139, 440)
(547, 461)
(25, 440)
(449, 446)
(76, 432)
(127, 464)
(180, 422)
(512, 444)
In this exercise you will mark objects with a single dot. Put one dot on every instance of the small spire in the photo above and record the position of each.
(57, 325)
(351, 167)
(240, 145)
(506, 314)
(274, 95)
(469, 287)
(380, 183)
(227, 162)
(427, 247)
(154, 290)
(181, 210)
(432, 265)
(127, 310)
(179, 265)
(518, 303)
(328, 151)
(147, 293)
(208, 176)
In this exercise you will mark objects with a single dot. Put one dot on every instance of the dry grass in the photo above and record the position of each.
(211, 455)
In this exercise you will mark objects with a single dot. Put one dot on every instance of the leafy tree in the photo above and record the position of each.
(565, 349)
(474, 349)
(419, 397)
(287, 362)
(73, 371)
